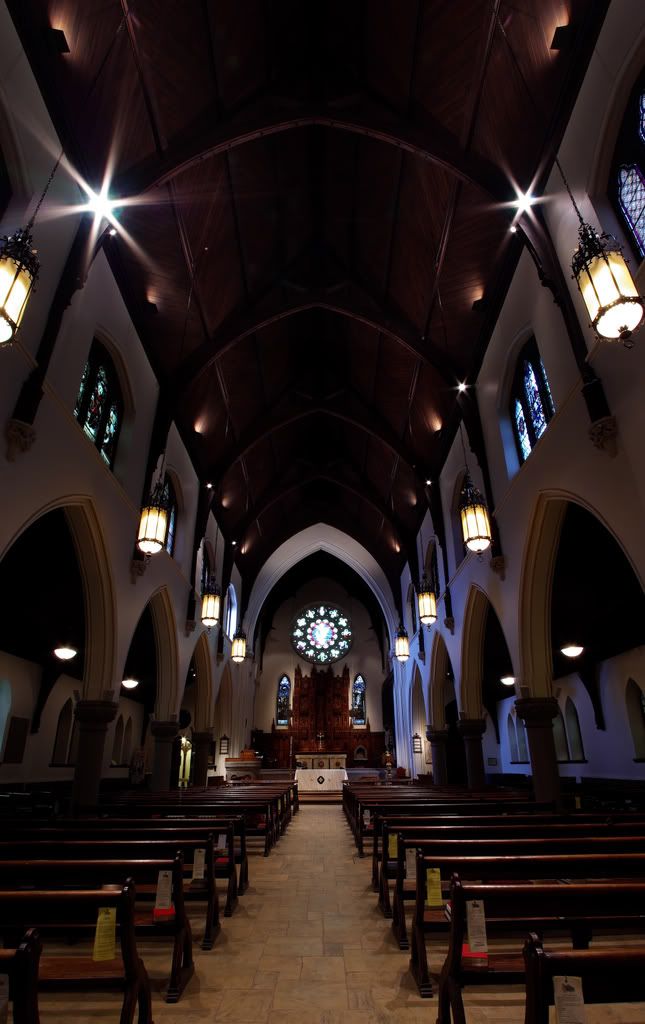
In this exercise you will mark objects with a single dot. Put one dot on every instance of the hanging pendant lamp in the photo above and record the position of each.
(473, 511)
(427, 601)
(402, 645)
(211, 602)
(238, 650)
(605, 282)
(153, 523)
(19, 268)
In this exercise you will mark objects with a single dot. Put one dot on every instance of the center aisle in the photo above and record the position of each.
(307, 945)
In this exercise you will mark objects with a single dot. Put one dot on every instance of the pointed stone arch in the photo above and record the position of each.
(439, 661)
(203, 719)
(223, 717)
(167, 654)
(472, 652)
(418, 719)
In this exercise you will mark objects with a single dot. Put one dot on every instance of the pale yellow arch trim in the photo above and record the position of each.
(167, 653)
(439, 661)
(203, 685)
(472, 652)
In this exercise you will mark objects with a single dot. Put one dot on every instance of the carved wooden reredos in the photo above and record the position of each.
(320, 705)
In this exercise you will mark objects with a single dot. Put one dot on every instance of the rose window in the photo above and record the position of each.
(322, 634)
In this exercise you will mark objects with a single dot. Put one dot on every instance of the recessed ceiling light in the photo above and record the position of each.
(513, 229)
(65, 652)
(234, 543)
(524, 201)
(462, 387)
(572, 650)
(112, 232)
(209, 486)
(129, 683)
(507, 680)
(428, 483)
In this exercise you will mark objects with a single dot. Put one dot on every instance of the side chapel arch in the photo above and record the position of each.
(439, 661)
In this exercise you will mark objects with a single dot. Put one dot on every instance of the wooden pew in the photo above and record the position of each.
(608, 976)
(501, 841)
(219, 847)
(21, 967)
(24, 875)
(579, 910)
(549, 866)
(59, 910)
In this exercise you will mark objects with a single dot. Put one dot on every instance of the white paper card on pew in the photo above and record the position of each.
(4, 998)
(569, 1000)
(163, 900)
(105, 935)
(367, 818)
(221, 841)
(199, 866)
(476, 924)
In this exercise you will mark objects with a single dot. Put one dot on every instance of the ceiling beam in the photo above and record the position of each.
(367, 422)
(268, 115)
(361, 488)
(347, 299)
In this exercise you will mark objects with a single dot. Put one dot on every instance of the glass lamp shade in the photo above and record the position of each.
(19, 268)
(402, 645)
(427, 602)
(475, 522)
(614, 306)
(211, 604)
(238, 651)
(153, 524)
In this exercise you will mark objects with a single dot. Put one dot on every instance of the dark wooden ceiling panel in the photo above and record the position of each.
(324, 224)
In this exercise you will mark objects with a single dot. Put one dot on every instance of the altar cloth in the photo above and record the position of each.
(320, 780)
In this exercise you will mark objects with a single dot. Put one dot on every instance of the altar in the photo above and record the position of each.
(321, 759)
(320, 780)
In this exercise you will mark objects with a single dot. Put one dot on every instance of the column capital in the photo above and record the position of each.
(437, 735)
(471, 727)
(95, 713)
(164, 730)
(537, 711)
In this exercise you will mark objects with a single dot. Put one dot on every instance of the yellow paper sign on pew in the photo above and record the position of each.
(392, 846)
(105, 935)
(434, 897)
(569, 1001)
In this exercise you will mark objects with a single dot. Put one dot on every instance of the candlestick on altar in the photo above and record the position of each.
(320, 737)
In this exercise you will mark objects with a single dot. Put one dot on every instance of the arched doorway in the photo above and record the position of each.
(448, 756)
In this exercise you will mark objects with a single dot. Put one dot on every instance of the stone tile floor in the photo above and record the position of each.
(306, 945)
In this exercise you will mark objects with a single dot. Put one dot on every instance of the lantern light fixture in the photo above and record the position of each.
(416, 744)
(129, 683)
(153, 523)
(427, 601)
(572, 650)
(19, 269)
(238, 650)
(402, 645)
(473, 512)
(507, 680)
(65, 652)
(211, 602)
(223, 744)
(604, 280)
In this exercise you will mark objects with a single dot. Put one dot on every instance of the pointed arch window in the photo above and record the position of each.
(231, 611)
(560, 738)
(118, 741)
(63, 733)
(531, 400)
(170, 497)
(359, 710)
(283, 702)
(574, 735)
(99, 403)
(627, 176)
(522, 744)
(512, 739)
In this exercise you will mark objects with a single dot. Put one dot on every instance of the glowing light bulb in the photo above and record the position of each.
(507, 680)
(524, 202)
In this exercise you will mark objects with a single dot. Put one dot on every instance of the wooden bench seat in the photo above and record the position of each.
(608, 976)
(56, 910)
(68, 875)
(609, 867)
(510, 910)
(21, 966)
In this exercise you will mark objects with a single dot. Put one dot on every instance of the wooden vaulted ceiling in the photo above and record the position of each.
(322, 194)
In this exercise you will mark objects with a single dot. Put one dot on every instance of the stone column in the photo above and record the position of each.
(164, 734)
(92, 720)
(472, 730)
(438, 740)
(201, 750)
(538, 713)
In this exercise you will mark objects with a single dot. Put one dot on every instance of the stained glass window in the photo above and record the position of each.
(206, 567)
(641, 127)
(322, 634)
(358, 701)
(531, 400)
(99, 405)
(631, 195)
(283, 703)
(171, 503)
